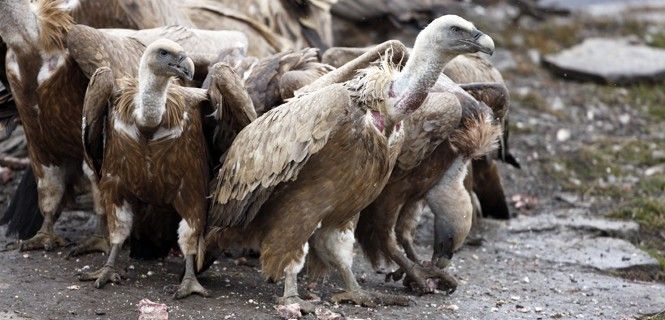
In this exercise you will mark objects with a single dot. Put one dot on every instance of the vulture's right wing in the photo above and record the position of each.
(234, 108)
(95, 110)
(272, 150)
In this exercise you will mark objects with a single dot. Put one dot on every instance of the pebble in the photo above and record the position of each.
(562, 135)
(452, 307)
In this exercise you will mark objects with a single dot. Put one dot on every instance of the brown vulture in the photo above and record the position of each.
(23, 215)
(144, 139)
(454, 215)
(298, 175)
(432, 164)
(48, 64)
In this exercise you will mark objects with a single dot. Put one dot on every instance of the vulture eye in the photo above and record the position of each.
(455, 29)
(162, 52)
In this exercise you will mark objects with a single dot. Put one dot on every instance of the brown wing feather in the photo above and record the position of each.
(234, 106)
(275, 78)
(95, 109)
(92, 49)
(272, 150)
(428, 127)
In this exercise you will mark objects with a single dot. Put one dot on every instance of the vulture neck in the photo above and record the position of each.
(420, 73)
(151, 99)
(19, 26)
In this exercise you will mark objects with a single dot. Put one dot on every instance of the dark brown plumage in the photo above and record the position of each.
(291, 178)
(485, 177)
(152, 151)
(48, 61)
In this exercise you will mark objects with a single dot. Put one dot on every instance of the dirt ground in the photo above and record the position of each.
(585, 150)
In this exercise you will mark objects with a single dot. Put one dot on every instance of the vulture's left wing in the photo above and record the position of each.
(428, 127)
(95, 110)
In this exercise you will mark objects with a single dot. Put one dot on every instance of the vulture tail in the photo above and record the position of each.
(23, 215)
(489, 190)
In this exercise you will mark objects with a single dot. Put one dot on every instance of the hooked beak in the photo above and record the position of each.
(185, 67)
(443, 242)
(481, 42)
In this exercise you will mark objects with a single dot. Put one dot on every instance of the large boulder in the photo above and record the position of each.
(609, 61)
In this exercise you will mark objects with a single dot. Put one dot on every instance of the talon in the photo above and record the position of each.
(90, 245)
(102, 276)
(42, 240)
(305, 306)
(189, 286)
(426, 279)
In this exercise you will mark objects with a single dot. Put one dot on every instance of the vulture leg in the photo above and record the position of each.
(190, 239)
(291, 292)
(406, 225)
(120, 219)
(335, 248)
(50, 188)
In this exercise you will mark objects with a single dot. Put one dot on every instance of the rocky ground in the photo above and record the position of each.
(588, 239)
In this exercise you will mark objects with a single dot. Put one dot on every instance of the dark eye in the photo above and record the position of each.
(163, 52)
(455, 29)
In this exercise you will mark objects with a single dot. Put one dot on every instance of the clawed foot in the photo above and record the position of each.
(370, 299)
(102, 276)
(305, 306)
(189, 286)
(425, 279)
(45, 240)
(90, 245)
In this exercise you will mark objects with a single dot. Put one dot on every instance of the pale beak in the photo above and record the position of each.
(480, 42)
(185, 67)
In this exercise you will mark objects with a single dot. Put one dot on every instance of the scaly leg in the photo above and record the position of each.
(51, 188)
(188, 239)
(335, 248)
(120, 225)
(290, 295)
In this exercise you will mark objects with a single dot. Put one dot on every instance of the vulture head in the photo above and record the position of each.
(452, 35)
(165, 58)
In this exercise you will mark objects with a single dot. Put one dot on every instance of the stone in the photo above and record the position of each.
(609, 61)
(616, 228)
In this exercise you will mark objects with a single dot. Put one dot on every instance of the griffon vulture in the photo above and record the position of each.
(454, 215)
(298, 175)
(144, 139)
(48, 62)
(438, 147)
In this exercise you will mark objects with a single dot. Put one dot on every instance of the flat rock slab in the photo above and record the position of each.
(615, 228)
(602, 253)
(609, 61)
